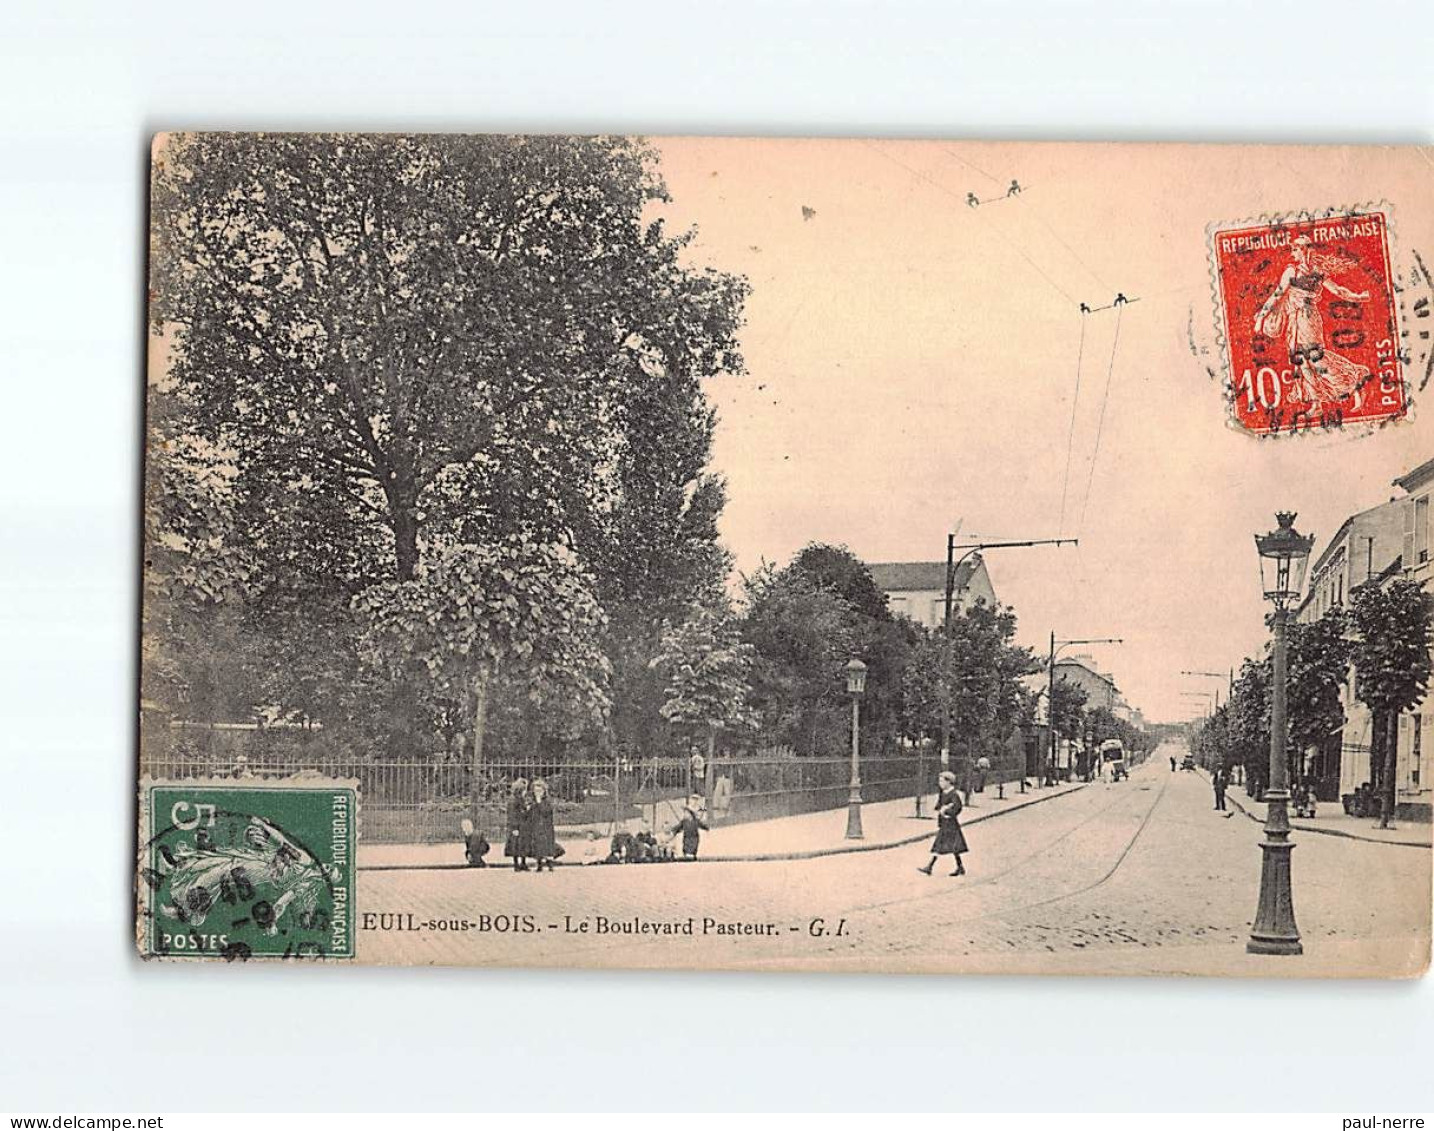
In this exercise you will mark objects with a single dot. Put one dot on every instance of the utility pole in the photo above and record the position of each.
(952, 564)
(1215, 675)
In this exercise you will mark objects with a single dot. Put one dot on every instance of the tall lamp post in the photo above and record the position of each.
(1058, 646)
(1284, 554)
(855, 685)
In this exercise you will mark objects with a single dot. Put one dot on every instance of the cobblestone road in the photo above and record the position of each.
(1136, 877)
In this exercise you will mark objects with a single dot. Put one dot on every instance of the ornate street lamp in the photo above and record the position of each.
(1284, 554)
(855, 685)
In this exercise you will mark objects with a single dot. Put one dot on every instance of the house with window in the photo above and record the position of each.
(1416, 729)
(1373, 547)
(918, 589)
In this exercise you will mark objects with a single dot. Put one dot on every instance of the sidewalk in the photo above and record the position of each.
(886, 824)
(1331, 820)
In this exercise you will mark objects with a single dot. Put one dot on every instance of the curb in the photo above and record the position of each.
(758, 857)
(1327, 832)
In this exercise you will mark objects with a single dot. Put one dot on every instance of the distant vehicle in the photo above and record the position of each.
(1112, 757)
(1188, 763)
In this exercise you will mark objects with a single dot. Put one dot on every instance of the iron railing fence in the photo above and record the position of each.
(423, 799)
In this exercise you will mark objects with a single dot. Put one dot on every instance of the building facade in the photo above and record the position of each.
(1416, 728)
(1373, 547)
(918, 589)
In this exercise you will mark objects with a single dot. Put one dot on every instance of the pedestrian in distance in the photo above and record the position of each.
(691, 825)
(542, 838)
(475, 844)
(949, 837)
(1220, 782)
(518, 825)
(1172, 763)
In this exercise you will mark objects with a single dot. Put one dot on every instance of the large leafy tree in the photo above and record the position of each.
(426, 331)
(882, 641)
(802, 635)
(403, 344)
(1249, 724)
(707, 673)
(517, 609)
(977, 678)
(1392, 669)
(1067, 713)
(1319, 658)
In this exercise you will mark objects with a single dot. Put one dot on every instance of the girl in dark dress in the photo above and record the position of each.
(542, 839)
(690, 825)
(518, 826)
(949, 837)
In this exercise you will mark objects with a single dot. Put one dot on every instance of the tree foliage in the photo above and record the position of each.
(392, 347)
(521, 609)
(802, 636)
(1319, 657)
(707, 671)
(1392, 668)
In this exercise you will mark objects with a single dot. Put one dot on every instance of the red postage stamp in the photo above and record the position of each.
(1309, 316)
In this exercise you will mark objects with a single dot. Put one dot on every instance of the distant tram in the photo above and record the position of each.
(1112, 758)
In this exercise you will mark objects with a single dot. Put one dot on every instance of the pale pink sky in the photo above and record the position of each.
(912, 363)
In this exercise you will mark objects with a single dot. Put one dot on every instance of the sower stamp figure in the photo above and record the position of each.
(949, 837)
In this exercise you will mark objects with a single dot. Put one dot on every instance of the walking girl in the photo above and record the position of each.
(543, 841)
(949, 837)
(519, 825)
(691, 826)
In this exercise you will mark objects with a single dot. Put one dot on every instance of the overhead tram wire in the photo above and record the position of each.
(1101, 283)
(989, 227)
(1080, 349)
(973, 167)
(1088, 270)
(1100, 422)
(1070, 434)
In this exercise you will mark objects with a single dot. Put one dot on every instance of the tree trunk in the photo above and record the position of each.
(1389, 783)
(401, 495)
(1376, 757)
(480, 724)
(405, 537)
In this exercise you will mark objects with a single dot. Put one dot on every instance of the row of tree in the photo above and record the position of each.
(1377, 648)
(429, 465)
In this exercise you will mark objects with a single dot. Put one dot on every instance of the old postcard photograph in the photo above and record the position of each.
(841, 555)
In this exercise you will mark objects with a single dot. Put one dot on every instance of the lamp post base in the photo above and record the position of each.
(1275, 931)
(853, 817)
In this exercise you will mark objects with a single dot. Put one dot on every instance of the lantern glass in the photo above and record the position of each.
(1284, 557)
(855, 677)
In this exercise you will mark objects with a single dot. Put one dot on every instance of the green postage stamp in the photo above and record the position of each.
(247, 869)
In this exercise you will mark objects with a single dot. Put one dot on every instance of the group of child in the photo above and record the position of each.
(642, 847)
(530, 834)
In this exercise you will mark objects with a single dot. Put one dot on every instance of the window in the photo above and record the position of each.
(1416, 751)
(1421, 529)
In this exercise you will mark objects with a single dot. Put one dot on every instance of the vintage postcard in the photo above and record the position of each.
(827, 555)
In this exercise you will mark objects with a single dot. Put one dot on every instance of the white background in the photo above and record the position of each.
(84, 1026)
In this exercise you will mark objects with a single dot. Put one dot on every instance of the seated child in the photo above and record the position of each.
(475, 844)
